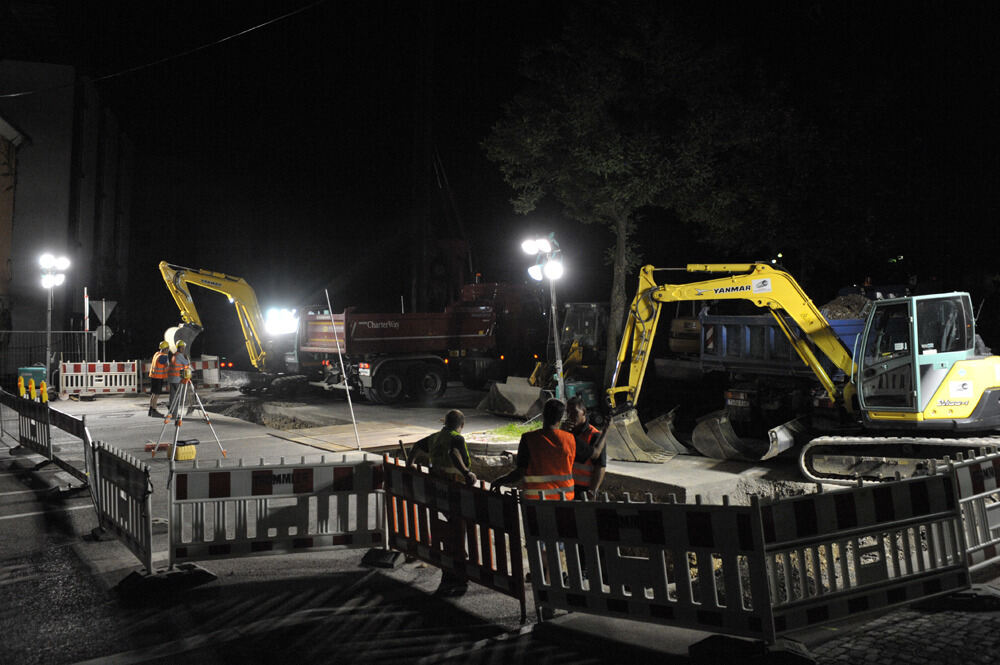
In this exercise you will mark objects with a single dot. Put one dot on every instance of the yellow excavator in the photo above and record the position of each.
(263, 350)
(916, 387)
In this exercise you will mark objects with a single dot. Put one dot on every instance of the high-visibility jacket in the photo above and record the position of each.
(178, 364)
(550, 465)
(439, 449)
(160, 367)
(583, 472)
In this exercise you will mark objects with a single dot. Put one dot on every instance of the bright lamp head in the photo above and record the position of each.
(530, 246)
(62, 263)
(553, 269)
(47, 261)
(544, 246)
(535, 272)
(281, 321)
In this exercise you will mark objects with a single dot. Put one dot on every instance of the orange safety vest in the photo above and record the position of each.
(177, 368)
(584, 471)
(550, 465)
(158, 370)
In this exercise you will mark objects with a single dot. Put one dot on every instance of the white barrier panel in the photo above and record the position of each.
(98, 378)
(978, 488)
(695, 566)
(226, 512)
(124, 500)
(839, 554)
(205, 373)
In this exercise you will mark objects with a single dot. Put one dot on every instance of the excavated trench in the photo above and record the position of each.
(275, 415)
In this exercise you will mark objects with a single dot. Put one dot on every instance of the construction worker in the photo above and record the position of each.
(450, 460)
(179, 369)
(446, 448)
(591, 456)
(544, 459)
(159, 370)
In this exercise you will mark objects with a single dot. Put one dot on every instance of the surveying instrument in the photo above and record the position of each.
(176, 411)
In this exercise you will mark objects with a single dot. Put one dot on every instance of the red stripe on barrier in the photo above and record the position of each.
(219, 485)
(260, 483)
(302, 481)
(343, 478)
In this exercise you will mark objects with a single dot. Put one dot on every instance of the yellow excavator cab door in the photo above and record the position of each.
(910, 346)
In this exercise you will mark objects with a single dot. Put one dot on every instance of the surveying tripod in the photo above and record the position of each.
(176, 412)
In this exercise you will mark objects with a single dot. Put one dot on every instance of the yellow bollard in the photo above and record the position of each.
(31, 390)
(45, 393)
(20, 386)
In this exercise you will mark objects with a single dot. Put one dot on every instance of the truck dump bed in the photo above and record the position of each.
(363, 334)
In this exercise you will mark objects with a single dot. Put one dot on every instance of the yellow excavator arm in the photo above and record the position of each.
(236, 289)
(758, 283)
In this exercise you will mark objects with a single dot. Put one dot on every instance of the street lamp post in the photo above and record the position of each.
(53, 274)
(548, 264)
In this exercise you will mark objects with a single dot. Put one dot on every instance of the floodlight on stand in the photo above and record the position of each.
(553, 269)
(536, 272)
(47, 261)
(543, 245)
(530, 246)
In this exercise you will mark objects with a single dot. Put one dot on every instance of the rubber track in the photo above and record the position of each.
(888, 442)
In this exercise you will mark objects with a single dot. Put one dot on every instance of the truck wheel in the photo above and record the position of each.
(389, 386)
(427, 382)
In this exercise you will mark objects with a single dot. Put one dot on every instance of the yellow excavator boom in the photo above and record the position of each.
(758, 283)
(241, 294)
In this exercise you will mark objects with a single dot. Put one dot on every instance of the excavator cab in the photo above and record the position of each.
(910, 345)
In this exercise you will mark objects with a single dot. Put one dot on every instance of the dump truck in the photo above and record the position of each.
(913, 386)
(492, 330)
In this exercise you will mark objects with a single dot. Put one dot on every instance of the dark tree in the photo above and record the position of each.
(624, 112)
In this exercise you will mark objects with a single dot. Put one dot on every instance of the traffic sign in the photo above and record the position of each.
(102, 309)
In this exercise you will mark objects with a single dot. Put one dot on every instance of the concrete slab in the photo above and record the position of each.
(369, 436)
(688, 477)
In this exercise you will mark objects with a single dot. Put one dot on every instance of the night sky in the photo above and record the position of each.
(299, 155)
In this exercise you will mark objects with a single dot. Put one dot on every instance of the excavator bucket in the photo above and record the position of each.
(516, 397)
(715, 437)
(626, 440)
(662, 432)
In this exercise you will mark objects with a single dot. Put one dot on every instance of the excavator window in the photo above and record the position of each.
(943, 326)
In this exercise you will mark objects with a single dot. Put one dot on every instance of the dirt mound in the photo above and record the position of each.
(845, 307)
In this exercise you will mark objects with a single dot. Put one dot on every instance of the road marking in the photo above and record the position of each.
(45, 512)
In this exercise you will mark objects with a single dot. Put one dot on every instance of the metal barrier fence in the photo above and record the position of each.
(113, 377)
(834, 555)
(465, 530)
(124, 500)
(978, 487)
(226, 512)
(696, 566)
(759, 571)
(23, 348)
(33, 427)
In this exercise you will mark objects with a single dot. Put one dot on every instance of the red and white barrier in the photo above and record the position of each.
(468, 531)
(225, 512)
(206, 373)
(107, 378)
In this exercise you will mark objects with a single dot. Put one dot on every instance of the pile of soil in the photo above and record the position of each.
(845, 307)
